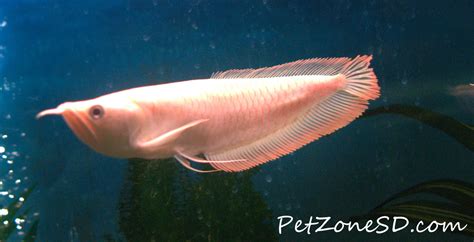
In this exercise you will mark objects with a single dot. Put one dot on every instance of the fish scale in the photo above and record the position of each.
(266, 99)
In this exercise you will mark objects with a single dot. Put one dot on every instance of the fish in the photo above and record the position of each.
(465, 95)
(233, 121)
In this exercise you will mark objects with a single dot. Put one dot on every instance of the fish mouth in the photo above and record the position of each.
(79, 125)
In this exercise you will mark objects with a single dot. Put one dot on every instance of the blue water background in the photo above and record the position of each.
(54, 51)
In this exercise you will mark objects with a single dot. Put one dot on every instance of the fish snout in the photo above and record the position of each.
(53, 111)
(76, 119)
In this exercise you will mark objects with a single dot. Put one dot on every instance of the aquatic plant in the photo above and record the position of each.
(450, 201)
(163, 202)
(7, 227)
(457, 197)
(461, 132)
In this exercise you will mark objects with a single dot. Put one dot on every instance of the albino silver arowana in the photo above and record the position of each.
(237, 119)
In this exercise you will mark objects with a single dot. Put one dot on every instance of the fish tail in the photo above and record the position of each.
(360, 78)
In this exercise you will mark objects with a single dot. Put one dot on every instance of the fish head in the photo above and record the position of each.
(104, 124)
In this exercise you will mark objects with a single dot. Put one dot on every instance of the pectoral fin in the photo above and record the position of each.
(168, 137)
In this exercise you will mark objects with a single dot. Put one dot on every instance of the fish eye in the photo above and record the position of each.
(96, 112)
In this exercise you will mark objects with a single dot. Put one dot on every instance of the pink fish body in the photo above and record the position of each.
(237, 119)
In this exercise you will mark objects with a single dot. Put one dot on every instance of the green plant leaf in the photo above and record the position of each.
(457, 207)
(456, 191)
(462, 132)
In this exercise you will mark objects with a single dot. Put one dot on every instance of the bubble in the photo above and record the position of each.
(2, 149)
(268, 178)
(212, 45)
(146, 38)
(19, 220)
(3, 24)
(3, 212)
(6, 84)
(417, 101)
(404, 81)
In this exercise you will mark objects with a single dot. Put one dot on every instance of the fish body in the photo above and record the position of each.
(237, 119)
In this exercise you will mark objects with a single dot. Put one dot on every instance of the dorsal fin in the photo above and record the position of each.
(315, 66)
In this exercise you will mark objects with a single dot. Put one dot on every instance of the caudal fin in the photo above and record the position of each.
(361, 80)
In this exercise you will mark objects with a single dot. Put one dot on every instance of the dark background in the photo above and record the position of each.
(56, 51)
